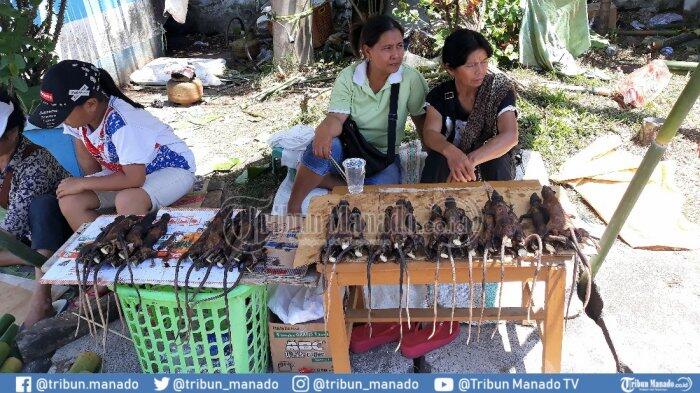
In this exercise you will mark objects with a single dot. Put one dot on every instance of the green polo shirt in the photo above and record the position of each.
(352, 96)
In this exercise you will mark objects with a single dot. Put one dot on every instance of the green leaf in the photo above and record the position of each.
(19, 61)
(19, 84)
(30, 99)
(227, 165)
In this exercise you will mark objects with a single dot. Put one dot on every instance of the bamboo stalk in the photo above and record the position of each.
(681, 65)
(16, 247)
(668, 130)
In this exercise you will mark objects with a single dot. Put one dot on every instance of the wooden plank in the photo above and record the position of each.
(554, 320)
(427, 186)
(424, 273)
(427, 315)
(339, 340)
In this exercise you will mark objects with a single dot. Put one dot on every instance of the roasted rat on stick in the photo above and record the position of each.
(344, 234)
(125, 241)
(449, 229)
(399, 238)
(501, 231)
(559, 229)
(227, 244)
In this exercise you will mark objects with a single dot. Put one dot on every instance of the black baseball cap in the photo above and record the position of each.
(66, 85)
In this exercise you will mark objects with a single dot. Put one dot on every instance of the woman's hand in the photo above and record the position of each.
(322, 144)
(70, 186)
(462, 168)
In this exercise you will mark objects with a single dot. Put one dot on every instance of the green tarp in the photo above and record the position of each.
(553, 33)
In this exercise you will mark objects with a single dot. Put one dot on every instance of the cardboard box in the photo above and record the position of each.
(593, 12)
(283, 240)
(301, 348)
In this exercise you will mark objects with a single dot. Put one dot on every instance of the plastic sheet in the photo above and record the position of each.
(642, 85)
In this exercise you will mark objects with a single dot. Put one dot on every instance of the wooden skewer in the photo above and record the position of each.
(94, 323)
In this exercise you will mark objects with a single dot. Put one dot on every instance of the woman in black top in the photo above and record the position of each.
(471, 126)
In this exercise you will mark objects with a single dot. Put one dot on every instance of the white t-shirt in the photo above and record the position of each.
(129, 135)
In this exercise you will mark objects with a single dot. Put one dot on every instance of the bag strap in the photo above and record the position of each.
(393, 117)
(451, 114)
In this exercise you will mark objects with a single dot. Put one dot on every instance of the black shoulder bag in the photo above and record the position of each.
(356, 146)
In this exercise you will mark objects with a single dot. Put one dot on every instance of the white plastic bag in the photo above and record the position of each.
(177, 9)
(157, 72)
(295, 304)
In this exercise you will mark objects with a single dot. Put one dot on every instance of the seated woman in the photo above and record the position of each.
(144, 165)
(30, 175)
(471, 124)
(362, 92)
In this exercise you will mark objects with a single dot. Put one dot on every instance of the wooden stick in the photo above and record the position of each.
(102, 327)
(666, 33)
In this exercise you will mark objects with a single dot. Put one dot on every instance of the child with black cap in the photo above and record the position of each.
(134, 162)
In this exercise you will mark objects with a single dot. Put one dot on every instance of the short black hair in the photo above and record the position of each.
(17, 117)
(462, 43)
(369, 32)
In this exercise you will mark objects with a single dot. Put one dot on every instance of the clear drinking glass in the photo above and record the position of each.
(355, 174)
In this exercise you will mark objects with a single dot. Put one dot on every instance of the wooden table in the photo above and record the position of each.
(551, 315)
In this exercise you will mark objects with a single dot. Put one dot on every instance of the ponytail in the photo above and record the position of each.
(110, 88)
(355, 34)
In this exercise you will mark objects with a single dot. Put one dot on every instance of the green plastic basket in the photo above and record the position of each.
(207, 349)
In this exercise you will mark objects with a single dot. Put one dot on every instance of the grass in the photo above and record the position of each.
(558, 123)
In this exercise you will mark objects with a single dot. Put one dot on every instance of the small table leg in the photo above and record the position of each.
(553, 320)
(526, 301)
(338, 336)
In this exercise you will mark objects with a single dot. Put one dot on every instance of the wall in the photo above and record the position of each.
(212, 16)
(117, 35)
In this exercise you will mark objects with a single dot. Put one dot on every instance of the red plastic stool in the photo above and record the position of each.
(382, 333)
(416, 343)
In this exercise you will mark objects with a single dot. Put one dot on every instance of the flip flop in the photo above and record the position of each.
(382, 333)
(416, 343)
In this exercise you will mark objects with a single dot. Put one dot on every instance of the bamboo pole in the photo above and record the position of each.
(16, 247)
(681, 65)
(668, 130)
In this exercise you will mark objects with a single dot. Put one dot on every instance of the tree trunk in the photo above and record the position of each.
(292, 46)
(602, 21)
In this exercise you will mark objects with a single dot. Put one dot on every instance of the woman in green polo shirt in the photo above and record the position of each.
(362, 92)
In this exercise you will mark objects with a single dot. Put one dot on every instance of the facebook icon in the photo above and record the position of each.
(23, 384)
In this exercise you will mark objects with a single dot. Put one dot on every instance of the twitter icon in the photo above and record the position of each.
(161, 384)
